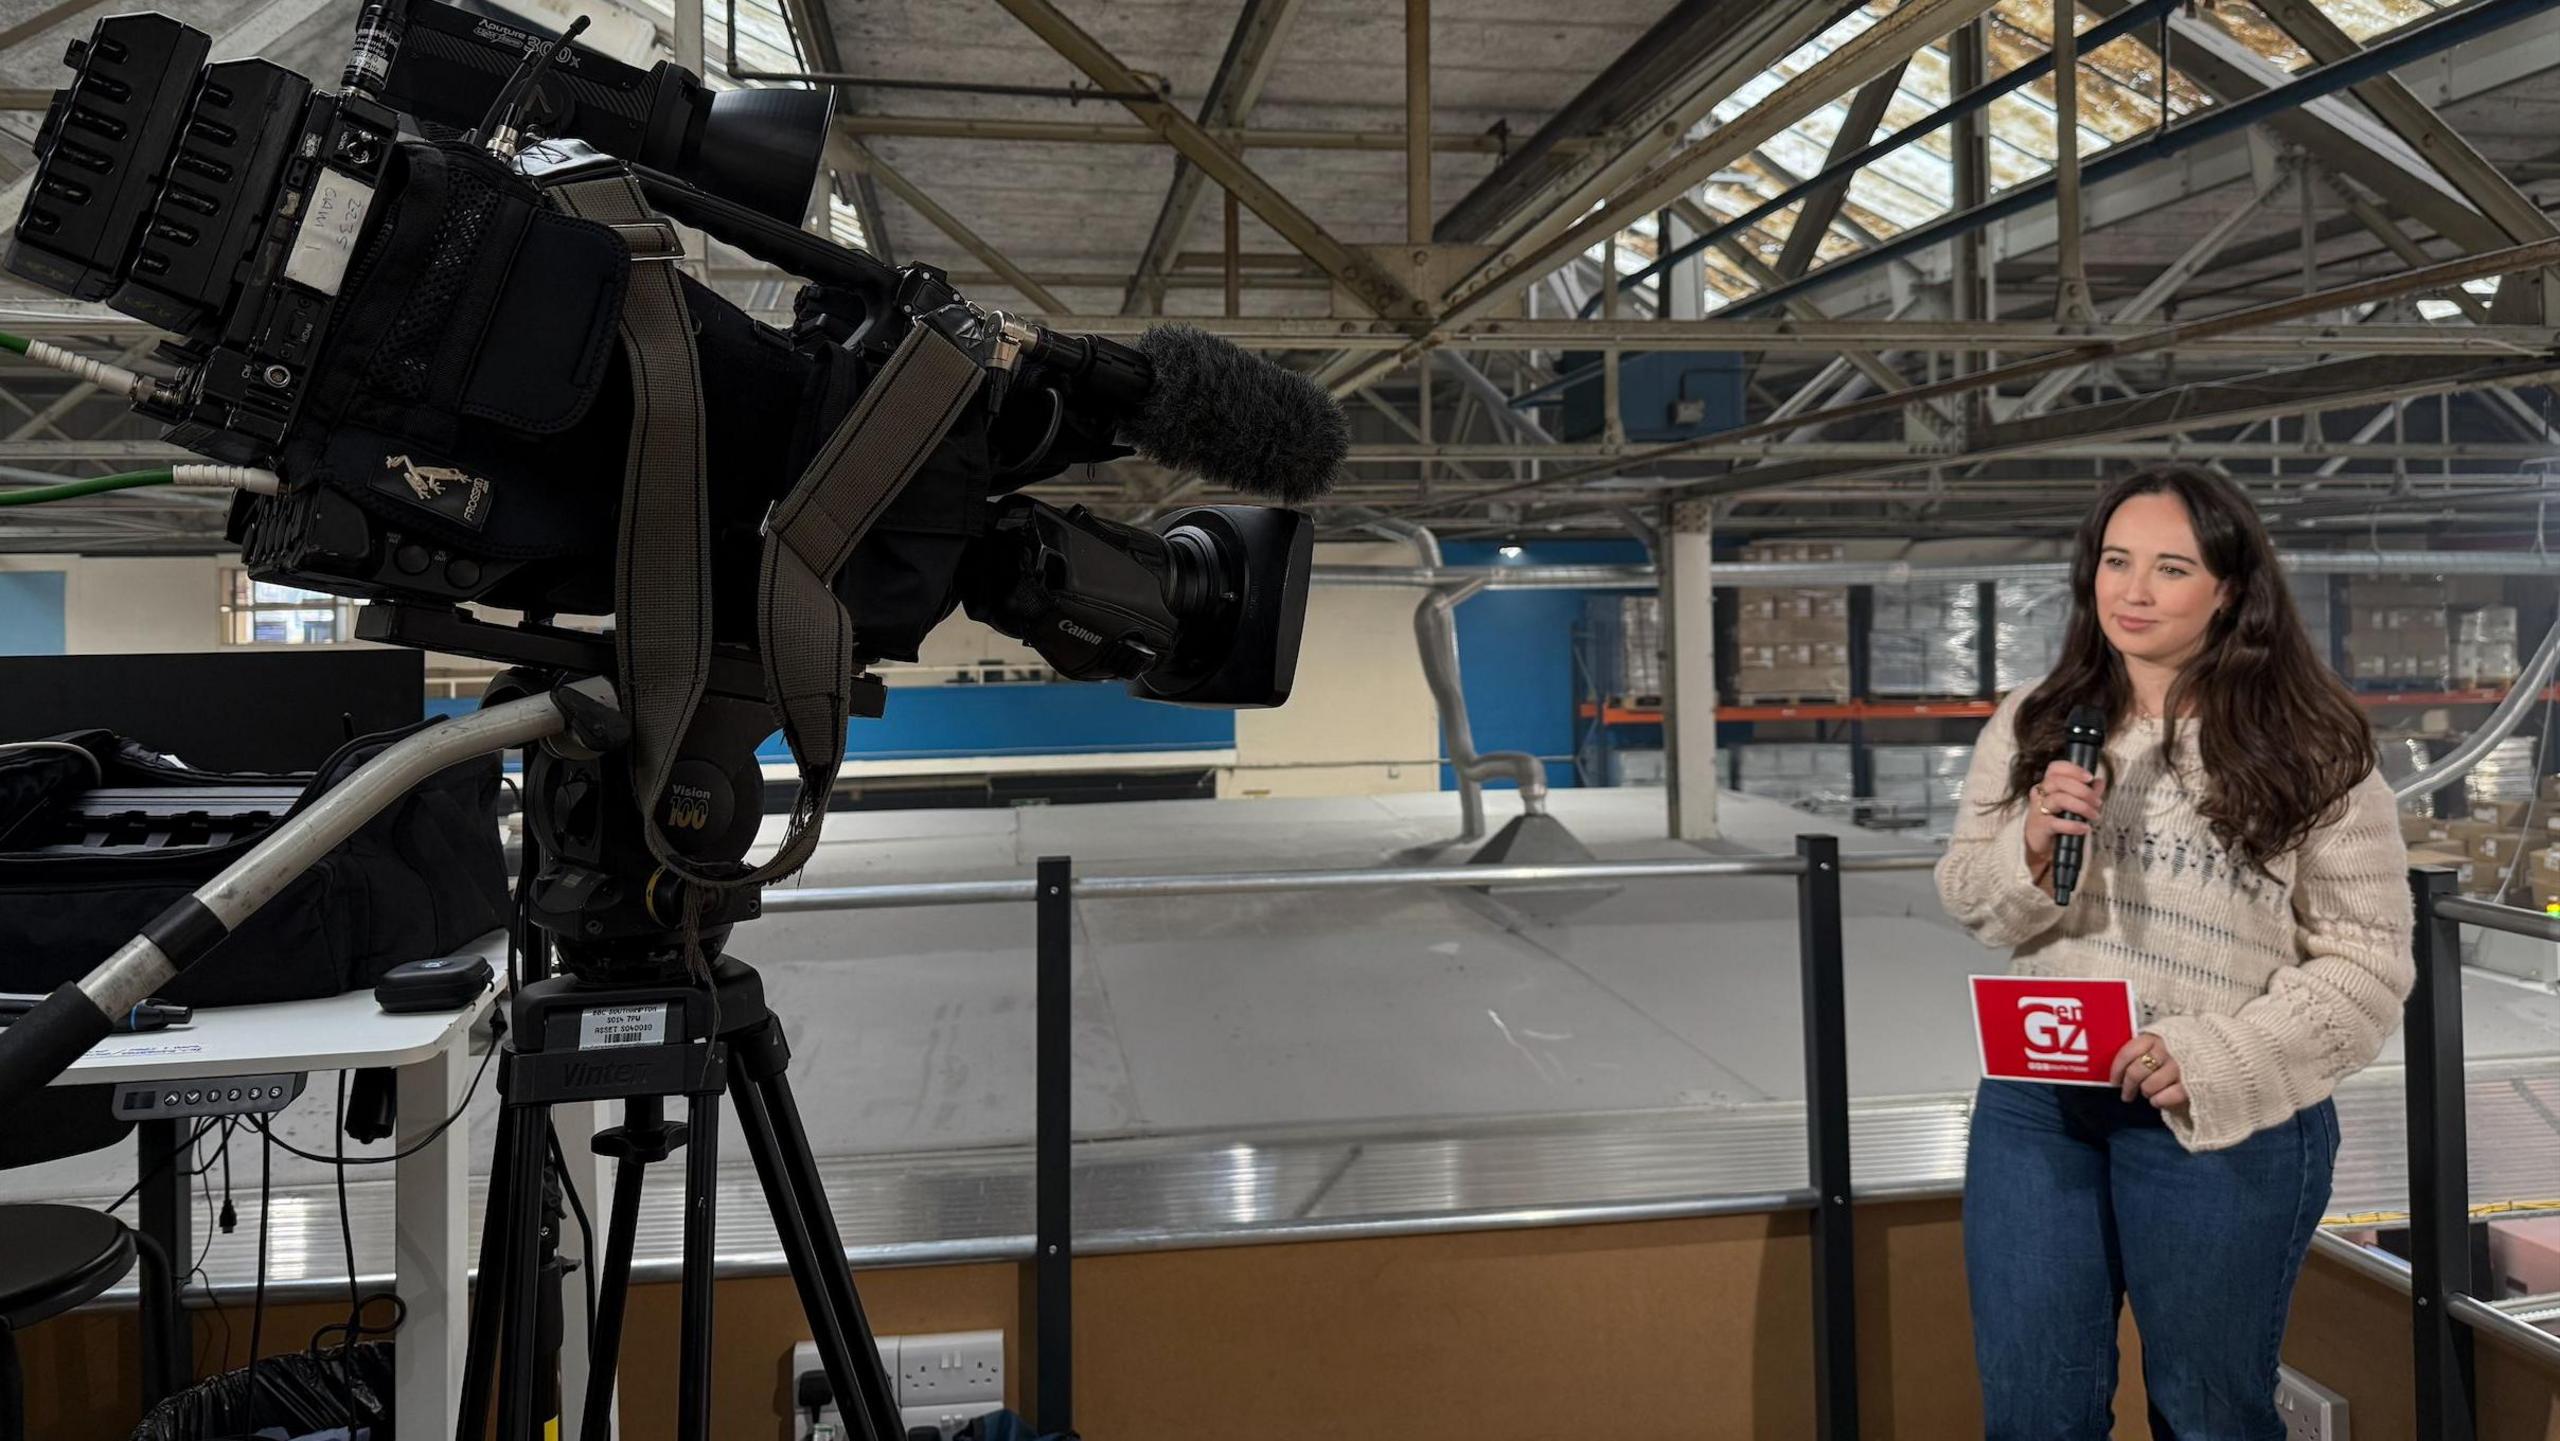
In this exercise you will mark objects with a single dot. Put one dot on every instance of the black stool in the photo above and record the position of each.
(57, 1258)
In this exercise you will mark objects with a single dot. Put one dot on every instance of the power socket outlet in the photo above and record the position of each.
(943, 1381)
(2312, 1412)
(955, 1366)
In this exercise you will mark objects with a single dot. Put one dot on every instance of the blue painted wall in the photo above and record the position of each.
(30, 612)
(931, 721)
(1515, 652)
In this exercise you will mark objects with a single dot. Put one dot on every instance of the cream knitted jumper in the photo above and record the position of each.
(2267, 988)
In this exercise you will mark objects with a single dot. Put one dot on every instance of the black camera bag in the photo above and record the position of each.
(424, 878)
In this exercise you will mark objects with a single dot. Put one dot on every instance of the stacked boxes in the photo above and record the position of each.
(1924, 640)
(1792, 772)
(1790, 642)
(2506, 773)
(1922, 784)
(2397, 632)
(2542, 883)
(2027, 633)
(1626, 651)
(1639, 650)
(2484, 646)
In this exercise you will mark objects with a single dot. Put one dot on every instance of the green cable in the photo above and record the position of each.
(14, 344)
(38, 495)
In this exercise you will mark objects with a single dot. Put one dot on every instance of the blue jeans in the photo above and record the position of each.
(2073, 1200)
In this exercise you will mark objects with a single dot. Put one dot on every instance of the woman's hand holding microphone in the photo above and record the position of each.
(2065, 791)
(2143, 1067)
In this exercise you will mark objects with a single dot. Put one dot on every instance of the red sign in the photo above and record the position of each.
(2037, 1028)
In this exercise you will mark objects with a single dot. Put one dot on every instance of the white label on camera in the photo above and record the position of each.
(327, 239)
(604, 1027)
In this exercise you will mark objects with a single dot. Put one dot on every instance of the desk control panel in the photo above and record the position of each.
(207, 1096)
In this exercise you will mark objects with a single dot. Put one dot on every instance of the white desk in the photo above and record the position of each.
(435, 1055)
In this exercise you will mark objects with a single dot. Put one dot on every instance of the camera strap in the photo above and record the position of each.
(802, 627)
(662, 578)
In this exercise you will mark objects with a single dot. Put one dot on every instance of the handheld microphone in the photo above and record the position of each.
(2084, 739)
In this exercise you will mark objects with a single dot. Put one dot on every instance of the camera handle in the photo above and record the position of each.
(43, 1043)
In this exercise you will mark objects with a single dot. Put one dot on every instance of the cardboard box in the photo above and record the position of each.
(2418, 830)
(2502, 851)
(2514, 815)
(2448, 857)
(2551, 788)
(2462, 833)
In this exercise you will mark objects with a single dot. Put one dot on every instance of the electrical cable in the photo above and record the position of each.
(429, 1139)
(586, 1229)
(229, 477)
(258, 1305)
(97, 773)
(204, 1177)
(132, 385)
(162, 1164)
(347, 1234)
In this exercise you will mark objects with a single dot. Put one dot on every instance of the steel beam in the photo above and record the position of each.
(2071, 279)
(2329, 127)
(2164, 285)
(59, 319)
(1886, 45)
(2408, 117)
(1417, 123)
(1109, 132)
(2335, 386)
(2354, 449)
(1867, 362)
(2506, 261)
(1822, 203)
(847, 153)
(1233, 92)
(2268, 106)
(1374, 287)
(1643, 103)
(809, 21)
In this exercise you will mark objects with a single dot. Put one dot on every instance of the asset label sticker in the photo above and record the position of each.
(327, 240)
(605, 1027)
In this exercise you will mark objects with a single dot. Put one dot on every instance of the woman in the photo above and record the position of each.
(2244, 870)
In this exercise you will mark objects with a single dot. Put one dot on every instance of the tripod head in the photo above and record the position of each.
(614, 913)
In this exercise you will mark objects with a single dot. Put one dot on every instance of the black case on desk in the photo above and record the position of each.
(424, 878)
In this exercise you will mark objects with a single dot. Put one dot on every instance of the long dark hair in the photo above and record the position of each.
(2256, 680)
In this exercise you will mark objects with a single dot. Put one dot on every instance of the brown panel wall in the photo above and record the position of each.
(1690, 1327)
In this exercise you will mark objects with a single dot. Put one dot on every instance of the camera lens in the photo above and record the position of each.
(1197, 582)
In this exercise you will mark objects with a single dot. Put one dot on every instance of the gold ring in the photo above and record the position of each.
(2151, 1059)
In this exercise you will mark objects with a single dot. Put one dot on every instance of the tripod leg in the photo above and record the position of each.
(802, 1169)
(614, 1286)
(845, 1346)
(701, 1189)
(489, 1295)
(521, 1387)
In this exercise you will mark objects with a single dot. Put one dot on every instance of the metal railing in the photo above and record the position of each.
(2441, 1276)
(2444, 1272)
(1053, 890)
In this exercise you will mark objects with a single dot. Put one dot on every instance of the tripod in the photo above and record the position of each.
(628, 1020)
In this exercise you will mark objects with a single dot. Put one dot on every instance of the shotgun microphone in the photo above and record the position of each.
(2084, 739)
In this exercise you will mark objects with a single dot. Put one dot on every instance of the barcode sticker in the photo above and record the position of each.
(327, 239)
(605, 1027)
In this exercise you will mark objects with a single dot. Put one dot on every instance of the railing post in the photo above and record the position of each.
(1826, 1106)
(1053, 1321)
(2439, 1169)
